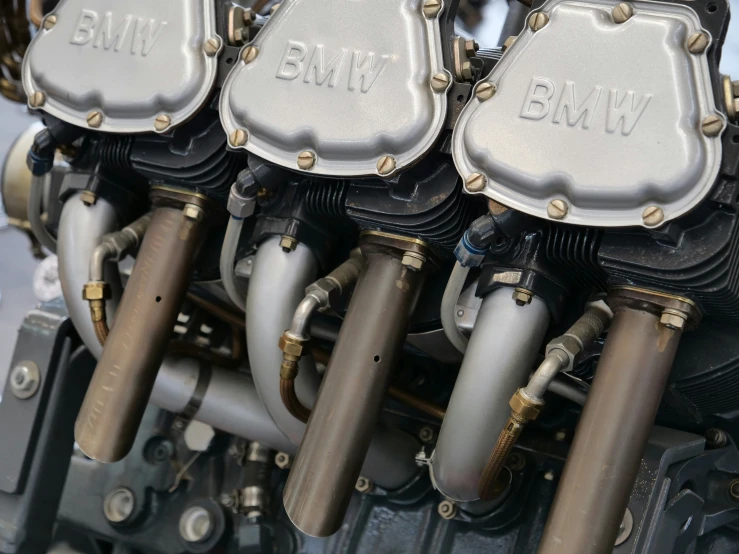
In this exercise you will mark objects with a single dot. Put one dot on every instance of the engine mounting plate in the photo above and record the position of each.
(605, 117)
(124, 67)
(350, 85)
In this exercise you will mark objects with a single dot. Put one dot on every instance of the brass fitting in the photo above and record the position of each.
(96, 290)
(96, 293)
(524, 407)
(292, 350)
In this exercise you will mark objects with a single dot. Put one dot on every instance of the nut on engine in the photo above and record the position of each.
(569, 347)
(524, 406)
(96, 290)
(292, 345)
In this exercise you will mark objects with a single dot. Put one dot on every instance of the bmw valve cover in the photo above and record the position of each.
(350, 88)
(595, 117)
(139, 65)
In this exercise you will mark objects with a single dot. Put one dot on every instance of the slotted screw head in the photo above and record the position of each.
(439, 82)
(237, 138)
(652, 215)
(712, 125)
(37, 99)
(475, 182)
(306, 160)
(49, 22)
(622, 12)
(485, 91)
(94, 119)
(538, 20)
(557, 209)
(250, 54)
(697, 43)
(162, 122)
(385, 165)
(211, 46)
(431, 8)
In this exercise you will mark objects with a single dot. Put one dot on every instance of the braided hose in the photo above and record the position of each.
(508, 437)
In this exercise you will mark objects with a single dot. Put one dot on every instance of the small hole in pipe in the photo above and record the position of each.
(376, 358)
(159, 299)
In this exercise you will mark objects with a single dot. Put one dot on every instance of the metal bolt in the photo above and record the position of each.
(471, 47)
(673, 319)
(466, 70)
(697, 43)
(119, 504)
(624, 530)
(622, 12)
(364, 485)
(509, 42)
(193, 212)
(549, 475)
(25, 379)
(431, 8)
(652, 215)
(522, 296)
(560, 435)
(716, 438)
(273, 9)
(385, 165)
(37, 99)
(516, 461)
(288, 243)
(88, 198)
(227, 500)
(211, 46)
(94, 119)
(196, 524)
(49, 22)
(282, 460)
(249, 16)
(238, 138)
(426, 434)
(162, 122)
(447, 509)
(306, 160)
(712, 125)
(249, 54)
(413, 261)
(538, 20)
(485, 91)
(460, 313)
(439, 82)
(734, 489)
(475, 182)
(557, 209)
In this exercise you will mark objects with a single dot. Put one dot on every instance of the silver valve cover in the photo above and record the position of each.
(340, 88)
(124, 67)
(596, 117)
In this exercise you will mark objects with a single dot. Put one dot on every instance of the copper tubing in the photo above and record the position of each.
(611, 435)
(230, 317)
(291, 401)
(419, 404)
(36, 12)
(120, 388)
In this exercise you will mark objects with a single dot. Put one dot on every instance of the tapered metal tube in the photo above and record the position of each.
(349, 402)
(120, 388)
(611, 436)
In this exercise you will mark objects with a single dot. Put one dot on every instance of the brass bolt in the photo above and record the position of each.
(88, 198)
(282, 460)
(509, 42)
(211, 46)
(697, 43)
(673, 319)
(447, 509)
(413, 261)
(652, 215)
(712, 125)
(288, 243)
(249, 54)
(49, 22)
(475, 182)
(193, 212)
(237, 138)
(431, 8)
(622, 12)
(306, 160)
(364, 485)
(522, 296)
(734, 489)
(538, 20)
(439, 82)
(94, 119)
(471, 47)
(37, 99)
(557, 209)
(273, 9)
(466, 70)
(249, 16)
(385, 165)
(162, 122)
(485, 91)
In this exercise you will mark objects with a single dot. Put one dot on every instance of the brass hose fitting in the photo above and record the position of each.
(292, 350)
(96, 293)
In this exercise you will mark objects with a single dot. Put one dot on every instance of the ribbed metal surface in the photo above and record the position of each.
(574, 251)
(327, 198)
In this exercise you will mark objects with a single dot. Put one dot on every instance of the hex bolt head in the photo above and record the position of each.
(288, 243)
(475, 182)
(509, 42)
(49, 22)
(652, 215)
(522, 296)
(485, 91)
(538, 20)
(716, 438)
(673, 319)
(88, 198)
(447, 509)
(249, 16)
(364, 485)
(385, 165)
(196, 524)
(426, 434)
(237, 138)
(162, 122)
(712, 125)
(283, 460)
(622, 12)
(413, 261)
(118, 505)
(431, 8)
(37, 99)
(193, 212)
(211, 46)
(306, 160)
(249, 54)
(25, 379)
(440, 82)
(557, 209)
(95, 119)
(734, 489)
(697, 43)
